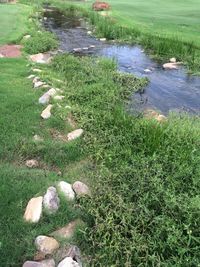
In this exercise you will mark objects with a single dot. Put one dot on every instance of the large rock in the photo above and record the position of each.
(46, 113)
(41, 58)
(66, 190)
(100, 6)
(75, 134)
(46, 245)
(81, 189)
(66, 231)
(51, 200)
(44, 99)
(68, 262)
(33, 210)
(44, 263)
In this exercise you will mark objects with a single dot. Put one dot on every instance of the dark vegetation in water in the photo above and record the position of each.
(145, 206)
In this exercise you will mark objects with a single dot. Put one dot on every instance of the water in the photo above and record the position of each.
(168, 90)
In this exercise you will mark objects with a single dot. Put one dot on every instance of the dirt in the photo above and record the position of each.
(10, 51)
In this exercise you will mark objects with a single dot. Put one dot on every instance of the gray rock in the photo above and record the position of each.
(81, 189)
(66, 231)
(44, 99)
(51, 200)
(44, 263)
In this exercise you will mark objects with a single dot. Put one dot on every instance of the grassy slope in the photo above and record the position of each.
(172, 18)
(13, 22)
(20, 120)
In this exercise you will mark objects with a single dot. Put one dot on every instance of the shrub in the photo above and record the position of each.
(40, 42)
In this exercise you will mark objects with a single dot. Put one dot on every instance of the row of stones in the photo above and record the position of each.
(47, 246)
(50, 202)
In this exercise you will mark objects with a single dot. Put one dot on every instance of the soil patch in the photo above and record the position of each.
(10, 51)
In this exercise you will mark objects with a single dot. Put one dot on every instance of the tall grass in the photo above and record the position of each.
(145, 206)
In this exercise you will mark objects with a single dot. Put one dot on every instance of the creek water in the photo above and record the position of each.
(168, 90)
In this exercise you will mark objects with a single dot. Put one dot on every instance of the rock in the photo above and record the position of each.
(85, 48)
(75, 134)
(45, 18)
(44, 263)
(33, 210)
(102, 39)
(38, 84)
(1, 55)
(147, 71)
(171, 66)
(44, 99)
(66, 190)
(52, 92)
(173, 60)
(51, 200)
(36, 79)
(152, 114)
(81, 189)
(46, 86)
(59, 97)
(46, 113)
(36, 70)
(31, 76)
(46, 245)
(100, 6)
(92, 46)
(39, 256)
(66, 231)
(77, 50)
(37, 138)
(32, 163)
(89, 32)
(68, 251)
(26, 37)
(68, 262)
(44, 58)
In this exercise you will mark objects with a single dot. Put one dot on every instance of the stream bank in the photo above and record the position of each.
(168, 90)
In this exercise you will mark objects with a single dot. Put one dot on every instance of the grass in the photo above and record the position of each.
(13, 22)
(145, 176)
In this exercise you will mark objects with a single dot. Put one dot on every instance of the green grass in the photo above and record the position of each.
(13, 22)
(144, 175)
(176, 19)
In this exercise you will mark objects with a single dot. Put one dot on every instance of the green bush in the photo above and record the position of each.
(40, 42)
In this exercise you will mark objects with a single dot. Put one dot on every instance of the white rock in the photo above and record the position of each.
(46, 245)
(59, 97)
(75, 134)
(46, 113)
(52, 92)
(32, 163)
(89, 32)
(81, 189)
(1, 55)
(33, 210)
(147, 71)
(46, 86)
(26, 37)
(77, 49)
(36, 79)
(37, 138)
(66, 190)
(36, 70)
(85, 48)
(31, 76)
(38, 84)
(102, 39)
(51, 200)
(170, 66)
(173, 60)
(41, 58)
(92, 46)
(68, 262)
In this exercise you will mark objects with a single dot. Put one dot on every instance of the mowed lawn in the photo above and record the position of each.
(13, 22)
(174, 18)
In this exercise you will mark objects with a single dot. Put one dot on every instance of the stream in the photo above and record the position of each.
(168, 90)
